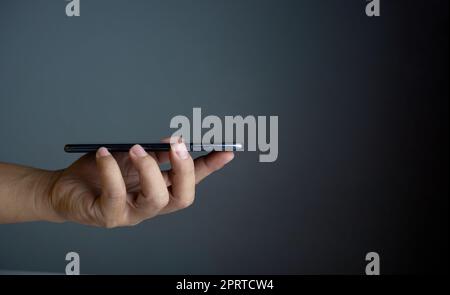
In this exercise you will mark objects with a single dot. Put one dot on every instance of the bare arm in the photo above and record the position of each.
(104, 189)
(24, 194)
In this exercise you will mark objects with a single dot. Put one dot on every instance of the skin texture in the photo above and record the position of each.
(106, 190)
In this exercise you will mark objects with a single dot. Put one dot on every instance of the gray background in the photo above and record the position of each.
(363, 129)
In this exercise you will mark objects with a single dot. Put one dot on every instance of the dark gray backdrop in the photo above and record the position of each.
(363, 127)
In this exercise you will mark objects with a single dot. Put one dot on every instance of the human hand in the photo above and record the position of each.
(122, 189)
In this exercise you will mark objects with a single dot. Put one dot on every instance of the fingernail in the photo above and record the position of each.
(181, 151)
(102, 152)
(138, 151)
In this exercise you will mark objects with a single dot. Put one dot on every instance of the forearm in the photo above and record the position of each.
(25, 194)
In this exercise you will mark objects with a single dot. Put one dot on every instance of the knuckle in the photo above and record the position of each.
(157, 201)
(161, 201)
(134, 221)
(184, 202)
(153, 202)
(115, 195)
(111, 223)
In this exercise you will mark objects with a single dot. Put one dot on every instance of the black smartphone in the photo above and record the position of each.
(150, 147)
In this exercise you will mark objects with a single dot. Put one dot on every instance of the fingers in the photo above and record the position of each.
(210, 163)
(161, 192)
(113, 197)
(154, 195)
(206, 165)
(182, 178)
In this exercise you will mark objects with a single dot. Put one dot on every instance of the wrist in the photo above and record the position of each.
(43, 191)
(25, 194)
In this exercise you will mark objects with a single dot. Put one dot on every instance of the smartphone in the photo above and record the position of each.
(150, 147)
